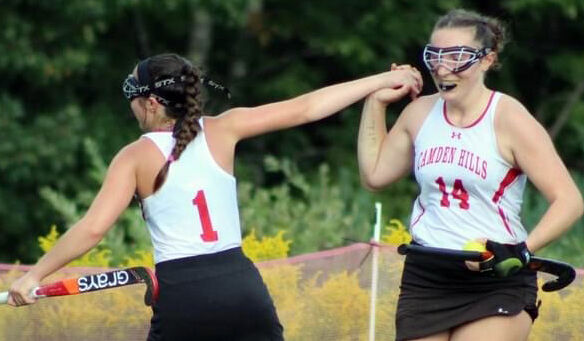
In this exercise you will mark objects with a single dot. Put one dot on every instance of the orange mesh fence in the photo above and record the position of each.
(319, 296)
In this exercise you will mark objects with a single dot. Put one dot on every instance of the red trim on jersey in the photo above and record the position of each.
(420, 215)
(445, 113)
(505, 221)
(511, 176)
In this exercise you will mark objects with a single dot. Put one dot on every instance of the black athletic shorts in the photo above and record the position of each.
(437, 295)
(219, 296)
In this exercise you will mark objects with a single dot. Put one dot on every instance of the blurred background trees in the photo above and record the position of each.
(63, 117)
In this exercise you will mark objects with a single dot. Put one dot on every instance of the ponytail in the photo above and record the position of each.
(187, 126)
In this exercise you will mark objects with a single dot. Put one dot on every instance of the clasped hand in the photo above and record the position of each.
(410, 82)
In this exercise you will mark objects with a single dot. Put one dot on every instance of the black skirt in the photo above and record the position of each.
(437, 295)
(219, 296)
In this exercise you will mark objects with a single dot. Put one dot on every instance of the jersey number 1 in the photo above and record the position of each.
(458, 192)
(208, 235)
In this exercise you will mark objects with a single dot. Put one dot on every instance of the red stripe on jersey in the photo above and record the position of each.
(420, 215)
(445, 113)
(505, 221)
(511, 175)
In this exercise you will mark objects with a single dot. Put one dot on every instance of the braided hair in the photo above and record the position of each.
(490, 32)
(182, 102)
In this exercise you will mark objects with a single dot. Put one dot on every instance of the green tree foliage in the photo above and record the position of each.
(62, 64)
(127, 237)
(544, 68)
(315, 212)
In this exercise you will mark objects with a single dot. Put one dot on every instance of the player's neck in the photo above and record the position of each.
(469, 108)
(169, 126)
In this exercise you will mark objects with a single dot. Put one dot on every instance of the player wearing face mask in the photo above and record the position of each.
(454, 59)
(471, 149)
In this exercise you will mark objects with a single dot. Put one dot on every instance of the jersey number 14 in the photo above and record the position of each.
(458, 192)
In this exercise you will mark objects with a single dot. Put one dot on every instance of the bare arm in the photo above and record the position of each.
(241, 123)
(236, 124)
(386, 156)
(114, 196)
(533, 152)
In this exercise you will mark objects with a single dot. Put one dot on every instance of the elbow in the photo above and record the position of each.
(303, 109)
(92, 230)
(372, 188)
(95, 236)
(312, 108)
(573, 207)
(371, 184)
(579, 207)
(578, 204)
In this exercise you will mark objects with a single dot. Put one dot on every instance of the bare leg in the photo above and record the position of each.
(500, 328)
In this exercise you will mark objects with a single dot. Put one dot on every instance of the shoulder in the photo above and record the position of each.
(141, 149)
(415, 113)
(513, 117)
(518, 132)
(216, 125)
(421, 106)
(141, 145)
(211, 122)
(509, 104)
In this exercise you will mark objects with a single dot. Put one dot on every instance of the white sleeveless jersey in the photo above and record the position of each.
(195, 211)
(467, 190)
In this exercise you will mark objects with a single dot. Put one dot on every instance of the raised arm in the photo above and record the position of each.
(241, 123)
(225, 130)
(532, 150)
(386, 156)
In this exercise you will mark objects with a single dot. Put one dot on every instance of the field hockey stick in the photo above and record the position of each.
(564, 272)
(99, 281)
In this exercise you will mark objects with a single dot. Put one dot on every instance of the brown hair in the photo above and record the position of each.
(490, 32)
(186, 106)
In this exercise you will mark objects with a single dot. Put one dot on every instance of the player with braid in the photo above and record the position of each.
(182, 171)
(471, 150)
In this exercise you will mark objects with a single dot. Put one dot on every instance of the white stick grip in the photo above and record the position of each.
(4, 295)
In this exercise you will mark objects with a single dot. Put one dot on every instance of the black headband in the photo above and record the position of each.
(143, 86)
(143, 74)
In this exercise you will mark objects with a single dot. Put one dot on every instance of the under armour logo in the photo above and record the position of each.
(502, 311)
(455, 135)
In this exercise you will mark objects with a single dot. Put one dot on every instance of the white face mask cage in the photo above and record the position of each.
(454, 59)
